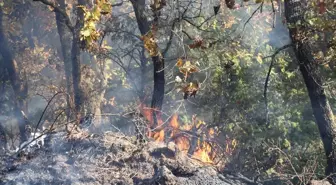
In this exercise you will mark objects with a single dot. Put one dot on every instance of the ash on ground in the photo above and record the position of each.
(109, 158)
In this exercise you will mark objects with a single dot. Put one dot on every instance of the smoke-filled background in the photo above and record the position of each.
(246, 89)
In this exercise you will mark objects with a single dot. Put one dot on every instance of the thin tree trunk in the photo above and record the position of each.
(65, 39)
(309, 69)
(158, 62)
(3, 138)
(159, 88)
(143, 67)
(75, 58)
(97, 97)
(20, 88)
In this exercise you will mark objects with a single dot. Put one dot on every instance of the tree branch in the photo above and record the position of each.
(45, 109)
(268, 76)
(61, 11)
(170, 40)
(255, 11)
(118, 4)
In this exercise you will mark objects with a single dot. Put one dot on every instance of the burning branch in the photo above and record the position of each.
(195, 139)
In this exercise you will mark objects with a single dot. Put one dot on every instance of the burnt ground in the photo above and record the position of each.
(109, 158)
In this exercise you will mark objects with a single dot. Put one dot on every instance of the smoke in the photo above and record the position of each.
(125, 81)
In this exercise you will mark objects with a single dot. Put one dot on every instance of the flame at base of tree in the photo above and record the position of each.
(158, 133)
(192, 139)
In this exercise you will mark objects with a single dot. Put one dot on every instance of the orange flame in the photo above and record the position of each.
(148, 114)
(203, 152)
(202, 155)
(159, 136)
(182, 144)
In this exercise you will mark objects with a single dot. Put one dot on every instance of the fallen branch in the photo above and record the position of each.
(238, 176)
(44, 132)
(45, 109)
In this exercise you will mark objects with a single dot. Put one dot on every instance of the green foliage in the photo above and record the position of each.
(89, 32)
(234, 94)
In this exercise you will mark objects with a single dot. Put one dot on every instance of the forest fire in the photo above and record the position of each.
(190, 139)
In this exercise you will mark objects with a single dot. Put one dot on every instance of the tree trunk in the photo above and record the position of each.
(65, 39)
(75, 59)
(159, 88)
(28, 26)
(309, 69)
(20, 88)
(143, 67)
(158, 62)
(99, 85)
(3, 139)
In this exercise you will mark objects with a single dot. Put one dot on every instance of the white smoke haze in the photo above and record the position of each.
(106, 150)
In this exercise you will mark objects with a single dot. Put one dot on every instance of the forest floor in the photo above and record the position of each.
(109, 158)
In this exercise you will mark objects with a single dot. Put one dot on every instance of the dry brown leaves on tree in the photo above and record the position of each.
(150, 43)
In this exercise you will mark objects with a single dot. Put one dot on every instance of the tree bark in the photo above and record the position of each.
(159, 88)
(158, 62)
(313, 81)
(65, 39)
(143, 67)
(75, 59)
(20, 87)
(3, 139)
(95, 87)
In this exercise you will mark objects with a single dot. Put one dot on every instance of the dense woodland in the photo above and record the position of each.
(245, 85)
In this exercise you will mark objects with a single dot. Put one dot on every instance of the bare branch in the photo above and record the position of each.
(60, 10)
(268, 76)
(273, 8)
(170, 39)
(118, 4)
(45, 109)
(255, 11)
